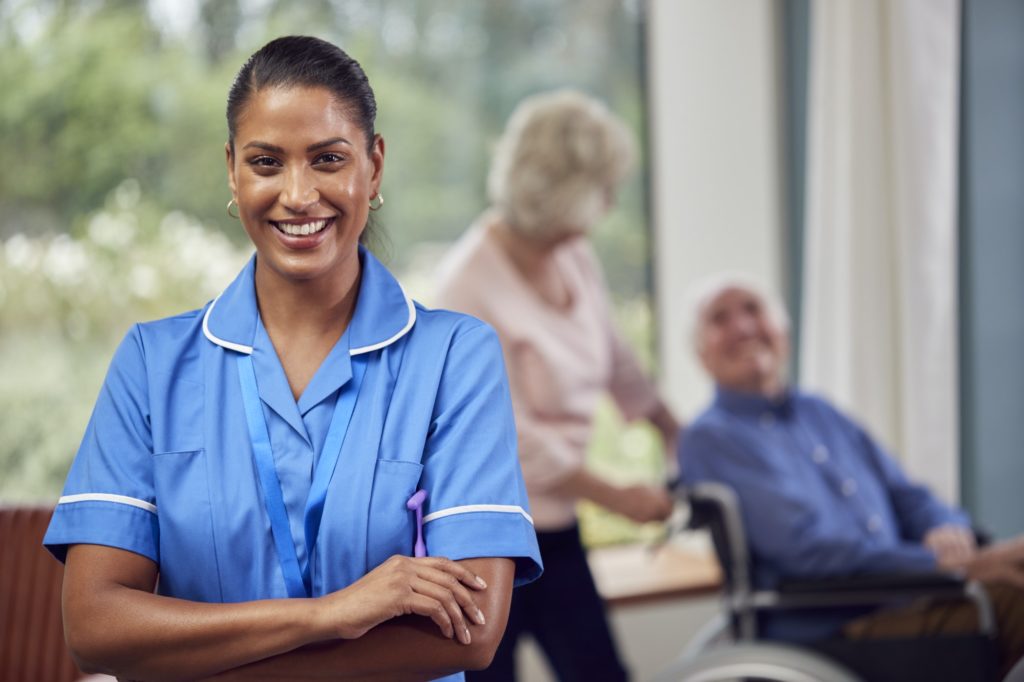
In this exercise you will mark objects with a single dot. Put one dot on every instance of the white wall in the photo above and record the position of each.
(716, 161)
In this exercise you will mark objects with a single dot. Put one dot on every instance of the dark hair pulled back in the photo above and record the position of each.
(306, 62)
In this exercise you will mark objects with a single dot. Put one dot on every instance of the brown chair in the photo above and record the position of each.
(32, 647)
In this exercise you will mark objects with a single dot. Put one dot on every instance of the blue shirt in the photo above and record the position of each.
(819, 497)
(166, 465)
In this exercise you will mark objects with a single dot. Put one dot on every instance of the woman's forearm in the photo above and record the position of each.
(117, 626)
(411, 647)
(667, 425)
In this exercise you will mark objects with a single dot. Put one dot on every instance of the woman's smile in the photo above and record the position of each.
(303, 233)
(299, 227)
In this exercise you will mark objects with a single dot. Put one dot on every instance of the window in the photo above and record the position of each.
(114, 211)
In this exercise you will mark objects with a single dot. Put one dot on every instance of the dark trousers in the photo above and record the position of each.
(952, 618)
(564, 613)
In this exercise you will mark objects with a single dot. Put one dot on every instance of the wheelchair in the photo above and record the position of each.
(729, 647)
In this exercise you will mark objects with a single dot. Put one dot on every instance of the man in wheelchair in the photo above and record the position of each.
(819, 497)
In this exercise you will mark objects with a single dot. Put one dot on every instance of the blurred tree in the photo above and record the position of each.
(97, 93)
(220, 22)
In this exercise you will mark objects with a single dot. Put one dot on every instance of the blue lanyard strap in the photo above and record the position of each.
(297, 578)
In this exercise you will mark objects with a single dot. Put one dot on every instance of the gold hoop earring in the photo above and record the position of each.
(380, 203)
(232, 201)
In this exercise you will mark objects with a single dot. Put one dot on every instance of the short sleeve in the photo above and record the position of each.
(477, 504)
(108, 497)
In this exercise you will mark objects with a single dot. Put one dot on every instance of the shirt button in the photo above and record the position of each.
(820, 454)
(849, 487)
(875, 523)
(767, 420)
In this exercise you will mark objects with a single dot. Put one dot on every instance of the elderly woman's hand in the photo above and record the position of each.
(643, 503)
(434, 587)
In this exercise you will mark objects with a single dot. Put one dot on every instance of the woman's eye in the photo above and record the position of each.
(329, 157)
(263, 161)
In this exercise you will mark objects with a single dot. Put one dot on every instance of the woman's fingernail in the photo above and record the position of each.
(480, 582)
(480, 617)
(466, 633)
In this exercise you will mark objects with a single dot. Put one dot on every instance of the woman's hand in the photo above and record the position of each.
(639, 503)
(433, 587)
(642, 503)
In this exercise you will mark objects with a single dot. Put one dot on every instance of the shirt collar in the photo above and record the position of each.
(384, 313)
(741, 403)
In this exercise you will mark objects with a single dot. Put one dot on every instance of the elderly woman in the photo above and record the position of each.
(321, 472)
(526, 267)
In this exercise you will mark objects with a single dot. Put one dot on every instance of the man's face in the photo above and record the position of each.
(740, 344)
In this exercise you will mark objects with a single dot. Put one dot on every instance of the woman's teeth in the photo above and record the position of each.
(298, 230)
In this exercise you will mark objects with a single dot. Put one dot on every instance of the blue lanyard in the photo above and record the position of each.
(296, 577)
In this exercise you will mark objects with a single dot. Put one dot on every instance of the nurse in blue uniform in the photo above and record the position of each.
(243, 501)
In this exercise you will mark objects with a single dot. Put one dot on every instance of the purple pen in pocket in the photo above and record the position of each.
(415, 504)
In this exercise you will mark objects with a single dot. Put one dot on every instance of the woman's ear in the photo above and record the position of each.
(377, 159)
(229, 158)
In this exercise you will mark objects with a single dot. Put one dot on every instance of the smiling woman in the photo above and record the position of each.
(303, 178)
(258, 454)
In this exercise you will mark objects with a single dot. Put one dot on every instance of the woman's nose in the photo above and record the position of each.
(299, 193)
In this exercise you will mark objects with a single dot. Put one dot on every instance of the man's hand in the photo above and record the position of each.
(1002, 563)
(952, 544)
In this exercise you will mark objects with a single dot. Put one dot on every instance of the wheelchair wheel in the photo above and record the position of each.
(776, 662)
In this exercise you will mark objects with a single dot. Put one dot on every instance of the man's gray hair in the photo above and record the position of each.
(561, 155)
(703, 293)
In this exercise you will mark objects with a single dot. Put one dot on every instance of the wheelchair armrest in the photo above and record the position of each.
(932, 582)
(874, 590)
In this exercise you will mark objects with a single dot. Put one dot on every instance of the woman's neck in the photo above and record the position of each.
(314, 308)
(531, 257)
(305, 318)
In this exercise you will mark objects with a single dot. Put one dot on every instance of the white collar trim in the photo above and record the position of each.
(216, 339)
(352, 351)
(402, 332)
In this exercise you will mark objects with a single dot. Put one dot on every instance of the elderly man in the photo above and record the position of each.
(819, 497)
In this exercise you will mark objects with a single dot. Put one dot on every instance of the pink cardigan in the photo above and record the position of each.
(559, 361)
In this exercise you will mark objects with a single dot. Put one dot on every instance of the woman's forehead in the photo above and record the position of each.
(295, 112)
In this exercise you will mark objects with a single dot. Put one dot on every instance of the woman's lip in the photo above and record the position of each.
(303, 221)
(303, 241)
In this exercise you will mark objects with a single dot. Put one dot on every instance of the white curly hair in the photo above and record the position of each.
(562, 155)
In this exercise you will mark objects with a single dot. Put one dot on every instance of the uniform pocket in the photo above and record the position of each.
(392, 527)
(188, 567)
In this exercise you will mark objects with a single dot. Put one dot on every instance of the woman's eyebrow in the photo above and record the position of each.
(327, 143)
(266, 146)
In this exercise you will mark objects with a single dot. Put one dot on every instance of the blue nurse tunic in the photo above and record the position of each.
(166, 466)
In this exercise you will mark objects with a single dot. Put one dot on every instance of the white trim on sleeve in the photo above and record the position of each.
(472, 508)
(107, 497)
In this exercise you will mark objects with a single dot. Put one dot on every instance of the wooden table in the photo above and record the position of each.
(638, 574)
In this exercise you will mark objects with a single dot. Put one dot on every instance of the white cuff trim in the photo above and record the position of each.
(472, 508)
(107, 497)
